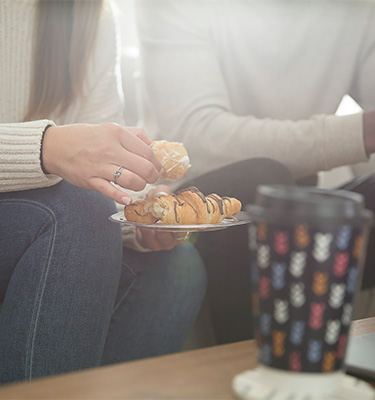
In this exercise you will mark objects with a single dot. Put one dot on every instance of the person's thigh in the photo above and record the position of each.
(225, 253)
(60, 263)
(159, 297)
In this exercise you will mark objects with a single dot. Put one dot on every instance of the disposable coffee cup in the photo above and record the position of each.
(307, 252)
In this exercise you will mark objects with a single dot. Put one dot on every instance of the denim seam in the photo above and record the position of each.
(117, 305)
(129, 268)
(41, 286)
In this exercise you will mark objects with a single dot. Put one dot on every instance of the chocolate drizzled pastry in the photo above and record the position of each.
(188, 206)
(219, 202)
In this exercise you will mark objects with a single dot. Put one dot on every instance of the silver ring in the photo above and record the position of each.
(117, 174)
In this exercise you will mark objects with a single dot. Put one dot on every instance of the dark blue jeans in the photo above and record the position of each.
(72, 300)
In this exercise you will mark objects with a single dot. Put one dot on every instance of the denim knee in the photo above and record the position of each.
(179, 275)
(75, 204)
(186, 267)
(171, 275)
(81, 220)
(82, 210)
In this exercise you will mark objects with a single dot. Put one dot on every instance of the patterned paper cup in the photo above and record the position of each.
(307, 249)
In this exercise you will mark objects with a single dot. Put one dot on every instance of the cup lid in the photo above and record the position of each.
(288, 202)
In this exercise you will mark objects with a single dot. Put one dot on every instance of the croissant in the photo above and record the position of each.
(173, 157)
(189, 206)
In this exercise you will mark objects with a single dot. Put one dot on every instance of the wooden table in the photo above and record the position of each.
(198, 374)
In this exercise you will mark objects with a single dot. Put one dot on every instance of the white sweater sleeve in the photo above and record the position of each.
(189, 97)
(20, 167)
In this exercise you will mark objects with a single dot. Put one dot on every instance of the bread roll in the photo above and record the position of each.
(173, 157)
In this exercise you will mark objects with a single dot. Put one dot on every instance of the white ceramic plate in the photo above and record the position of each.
(241, 218)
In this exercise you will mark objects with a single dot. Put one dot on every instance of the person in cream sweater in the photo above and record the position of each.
(71, 298)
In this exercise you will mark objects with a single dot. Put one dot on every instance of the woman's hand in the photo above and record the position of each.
(157, 240)
(89, 155)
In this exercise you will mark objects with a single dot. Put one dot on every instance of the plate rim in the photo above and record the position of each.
(178, 227)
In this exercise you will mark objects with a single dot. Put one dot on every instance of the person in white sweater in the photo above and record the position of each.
(240, 79)
(236, 80)
(69, 298)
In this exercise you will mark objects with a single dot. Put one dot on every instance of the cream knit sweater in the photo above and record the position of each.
(20, 142)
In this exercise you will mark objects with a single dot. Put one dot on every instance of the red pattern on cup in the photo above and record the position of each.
(295, 361)
(316, 315)
(341, 263)
(264, 287)
(342, 346)
(281, 243)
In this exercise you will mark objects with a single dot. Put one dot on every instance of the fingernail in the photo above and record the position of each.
(126, 200)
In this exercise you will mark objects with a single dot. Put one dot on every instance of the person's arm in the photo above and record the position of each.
(38, 154)
(20, 167)
(363, 88)
(188, 94)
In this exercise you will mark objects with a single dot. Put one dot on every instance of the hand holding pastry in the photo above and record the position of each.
(94, 156)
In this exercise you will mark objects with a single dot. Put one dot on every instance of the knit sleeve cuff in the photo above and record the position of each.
(343, 142)
(20, 147)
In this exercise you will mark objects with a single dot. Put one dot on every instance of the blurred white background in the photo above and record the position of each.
(125, 13)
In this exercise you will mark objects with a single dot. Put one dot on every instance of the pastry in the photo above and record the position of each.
(189, 206)
(173, 157)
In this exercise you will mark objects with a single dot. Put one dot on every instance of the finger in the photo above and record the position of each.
(141, 167)
(104, 187)
(134, 163)
(139, 132)
(147, 239)
(158, 189)
(128, 179)
(167, 240)
(137, 146)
